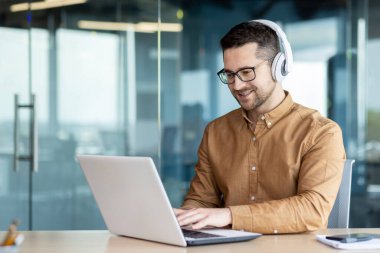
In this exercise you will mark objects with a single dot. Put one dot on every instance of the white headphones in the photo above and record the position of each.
(283, 61)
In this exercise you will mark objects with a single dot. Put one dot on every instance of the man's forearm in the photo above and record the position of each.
(301, 213)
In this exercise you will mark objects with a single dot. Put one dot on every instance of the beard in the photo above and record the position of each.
(260, 98)
(252, 105)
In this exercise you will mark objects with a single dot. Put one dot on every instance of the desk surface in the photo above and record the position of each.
(104, 242)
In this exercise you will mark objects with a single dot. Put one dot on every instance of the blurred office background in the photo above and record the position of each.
(138, 77)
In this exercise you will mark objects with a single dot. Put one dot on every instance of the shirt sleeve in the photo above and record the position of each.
(318, 183)
(203, 190)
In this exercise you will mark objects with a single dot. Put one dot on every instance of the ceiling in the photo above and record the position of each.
(148, 10)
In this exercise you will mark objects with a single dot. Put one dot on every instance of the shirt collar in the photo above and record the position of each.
(271, 118)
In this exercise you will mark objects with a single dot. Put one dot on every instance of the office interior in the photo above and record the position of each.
(138, 78)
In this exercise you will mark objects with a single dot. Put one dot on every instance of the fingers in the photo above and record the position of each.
(201, 224)
(199, 218)
(190, 217)
(178, 211)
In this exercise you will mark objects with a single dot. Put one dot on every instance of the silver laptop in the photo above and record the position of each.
(133, 203)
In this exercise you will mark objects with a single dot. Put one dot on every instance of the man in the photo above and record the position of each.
(271, 166)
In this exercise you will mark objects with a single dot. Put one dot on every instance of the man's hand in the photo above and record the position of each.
(199, 218)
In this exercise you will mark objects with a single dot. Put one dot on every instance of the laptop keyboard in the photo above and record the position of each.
(198, 234)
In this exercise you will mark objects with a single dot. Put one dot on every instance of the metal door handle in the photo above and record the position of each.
(33, 157)
(34, 135)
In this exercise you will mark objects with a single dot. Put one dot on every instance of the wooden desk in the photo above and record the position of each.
(104, 242)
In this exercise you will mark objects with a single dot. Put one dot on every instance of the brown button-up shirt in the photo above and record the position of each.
(281, 177)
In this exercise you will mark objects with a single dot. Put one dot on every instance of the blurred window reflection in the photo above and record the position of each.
(87, 77)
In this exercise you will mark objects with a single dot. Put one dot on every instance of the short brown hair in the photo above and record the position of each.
(253, 32)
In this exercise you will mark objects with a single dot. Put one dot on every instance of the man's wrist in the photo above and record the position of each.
(241, 218)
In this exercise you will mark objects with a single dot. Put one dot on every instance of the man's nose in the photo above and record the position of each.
(237, 84)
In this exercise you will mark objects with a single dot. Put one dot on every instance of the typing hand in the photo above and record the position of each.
(199, 218)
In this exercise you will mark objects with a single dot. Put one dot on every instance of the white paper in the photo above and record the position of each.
(371, 244)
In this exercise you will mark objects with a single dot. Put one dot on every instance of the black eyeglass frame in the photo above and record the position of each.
(237, 73)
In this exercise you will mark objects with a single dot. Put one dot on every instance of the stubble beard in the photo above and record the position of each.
(256, 103)
(259, 100)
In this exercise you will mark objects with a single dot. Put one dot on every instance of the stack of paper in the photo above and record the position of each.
(371, 244)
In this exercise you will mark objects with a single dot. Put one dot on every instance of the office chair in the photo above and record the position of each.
(339, 216)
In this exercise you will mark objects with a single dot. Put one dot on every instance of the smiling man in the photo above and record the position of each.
(271, 166)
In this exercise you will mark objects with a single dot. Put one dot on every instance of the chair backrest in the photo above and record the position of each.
(339, 216)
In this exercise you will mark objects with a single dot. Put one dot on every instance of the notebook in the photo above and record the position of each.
(133, 202)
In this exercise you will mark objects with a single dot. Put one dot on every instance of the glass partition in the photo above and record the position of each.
(101, 98)
(14, 72)
(366, 194)
(139, 78)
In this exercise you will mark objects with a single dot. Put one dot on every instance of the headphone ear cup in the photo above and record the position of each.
(278, 67)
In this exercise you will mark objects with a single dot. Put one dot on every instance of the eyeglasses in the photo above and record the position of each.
(244, 74)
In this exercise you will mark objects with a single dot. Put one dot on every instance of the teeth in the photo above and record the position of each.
(245, 93)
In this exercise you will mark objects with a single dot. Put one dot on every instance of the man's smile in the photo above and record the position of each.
(243, 94)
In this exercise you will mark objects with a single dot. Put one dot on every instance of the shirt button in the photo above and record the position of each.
(253, 168)
(254, 138)
(252, 197)
(262, 117)
(269, 123)
(275, 231)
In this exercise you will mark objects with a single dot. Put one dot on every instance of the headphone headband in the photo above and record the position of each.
(283, 40)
